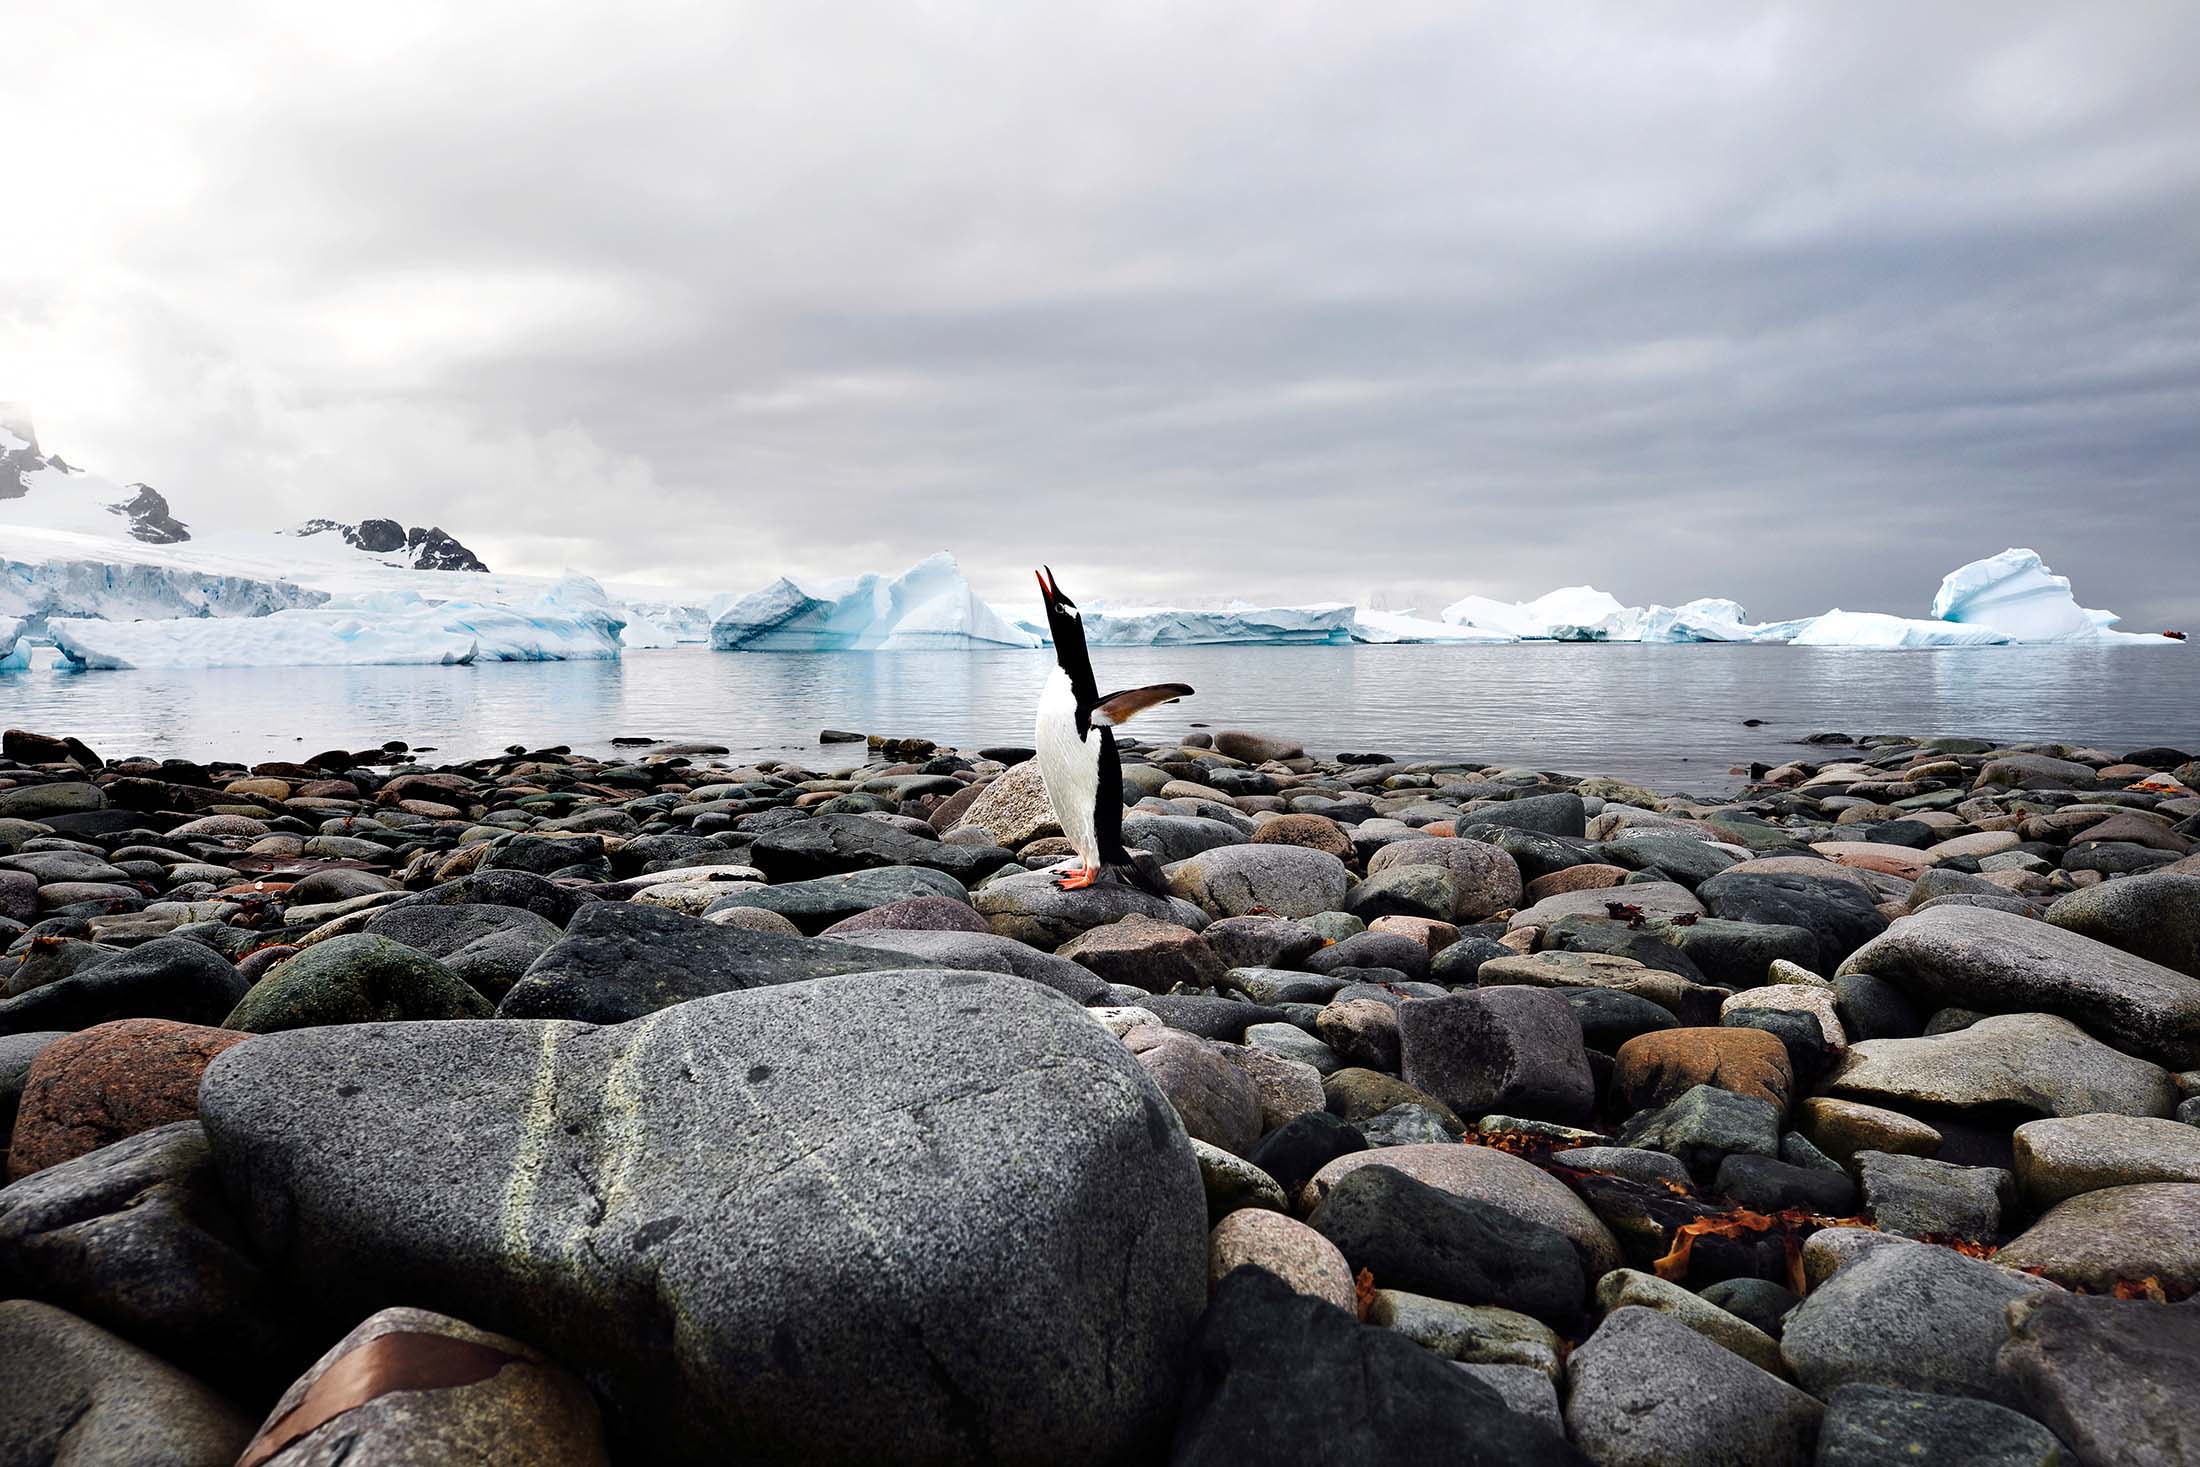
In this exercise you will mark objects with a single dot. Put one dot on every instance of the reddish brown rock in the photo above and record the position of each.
(1651, 1069)
(108, 1082)
(1574, 878)
(1316, 832)
(1427, 931)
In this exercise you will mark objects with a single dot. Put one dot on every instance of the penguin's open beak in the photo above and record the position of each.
(1045, 590)
(1050, 590)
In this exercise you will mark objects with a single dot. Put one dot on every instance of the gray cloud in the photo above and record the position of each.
(1802, 306)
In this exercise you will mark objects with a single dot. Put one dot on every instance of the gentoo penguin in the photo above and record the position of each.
(1075, 742)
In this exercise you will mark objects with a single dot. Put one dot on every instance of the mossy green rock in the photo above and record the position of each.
(356, 980)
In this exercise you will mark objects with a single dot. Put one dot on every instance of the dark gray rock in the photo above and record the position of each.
(1458, 963)
(1877, 1426)
(137, 1238)
(1554, 814)
(983, 952)
(543, 897)
(829, 845)
(1609, 1018)
(1705, 1126)
(1907, 1315)
(1737, 954)
(1840, 914)
(77, 1394)
(1923, 1198)
(488, 946)
(818, 903)
(543, 855)
(1260, 942)
(619, 961)
(1393, 950)
(1428, 1241)
(1873, 1008)
(168, 978)
(2155, 916)
(2112, 1377)
(1300, 1147)
(943, 1210)
(1511, 1049)
(1761, 1302)
(1639, 1389)
(16, 1053)
(1278, 1376)
(1030, 907)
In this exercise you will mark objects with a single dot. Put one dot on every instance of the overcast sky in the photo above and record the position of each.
(1799, 304)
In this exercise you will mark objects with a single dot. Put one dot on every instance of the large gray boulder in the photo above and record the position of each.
(1639, 1391)
(487, 945)
(983, 952)
(1999, 963)
(2062, 1157)
(2154, 915)
(1487, 880)
(77, 1394)
(2113, 1377)
(1909, 1315)
(2096, 1240)
(818, 903)
(944, 1210)
(2031, 1062)
(1269, 880)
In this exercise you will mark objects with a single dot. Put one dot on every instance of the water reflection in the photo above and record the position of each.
(1671, 715)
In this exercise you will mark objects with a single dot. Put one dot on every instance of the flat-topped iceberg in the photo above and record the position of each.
(928, 605)
(1326, 623)
(1395, 628)
(571, 620)
(2016, 595)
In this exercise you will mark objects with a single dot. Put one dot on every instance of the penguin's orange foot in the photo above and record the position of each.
(1079, 879)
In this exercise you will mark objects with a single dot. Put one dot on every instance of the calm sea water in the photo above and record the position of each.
(1670, 716)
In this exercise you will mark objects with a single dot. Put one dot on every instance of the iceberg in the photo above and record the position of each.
(1838, 628)
(1392, 628)
(573, 619)
(15, 653)
(1564, 615)
(1326, 623)
(2015, 594)
(928, 605)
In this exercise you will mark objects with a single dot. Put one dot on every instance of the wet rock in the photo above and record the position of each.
(488, 946)
(1429, 1241)
(818, 903)
(949, 1263)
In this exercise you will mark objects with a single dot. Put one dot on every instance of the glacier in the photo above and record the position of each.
(573, 619)
(2014, 593)
(928, 605)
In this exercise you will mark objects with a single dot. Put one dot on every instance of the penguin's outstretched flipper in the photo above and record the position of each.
(1120, 708)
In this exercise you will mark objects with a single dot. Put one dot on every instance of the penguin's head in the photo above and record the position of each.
(1063, 621)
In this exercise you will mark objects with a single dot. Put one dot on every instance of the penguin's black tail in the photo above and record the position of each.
(1145, 872)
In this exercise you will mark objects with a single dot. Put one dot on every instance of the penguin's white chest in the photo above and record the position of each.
(1070, 765)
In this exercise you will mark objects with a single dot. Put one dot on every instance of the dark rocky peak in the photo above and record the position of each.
(429, 548)
(19, 454)
(149, 518)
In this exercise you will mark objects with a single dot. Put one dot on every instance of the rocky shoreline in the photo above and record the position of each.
(640, 1109)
